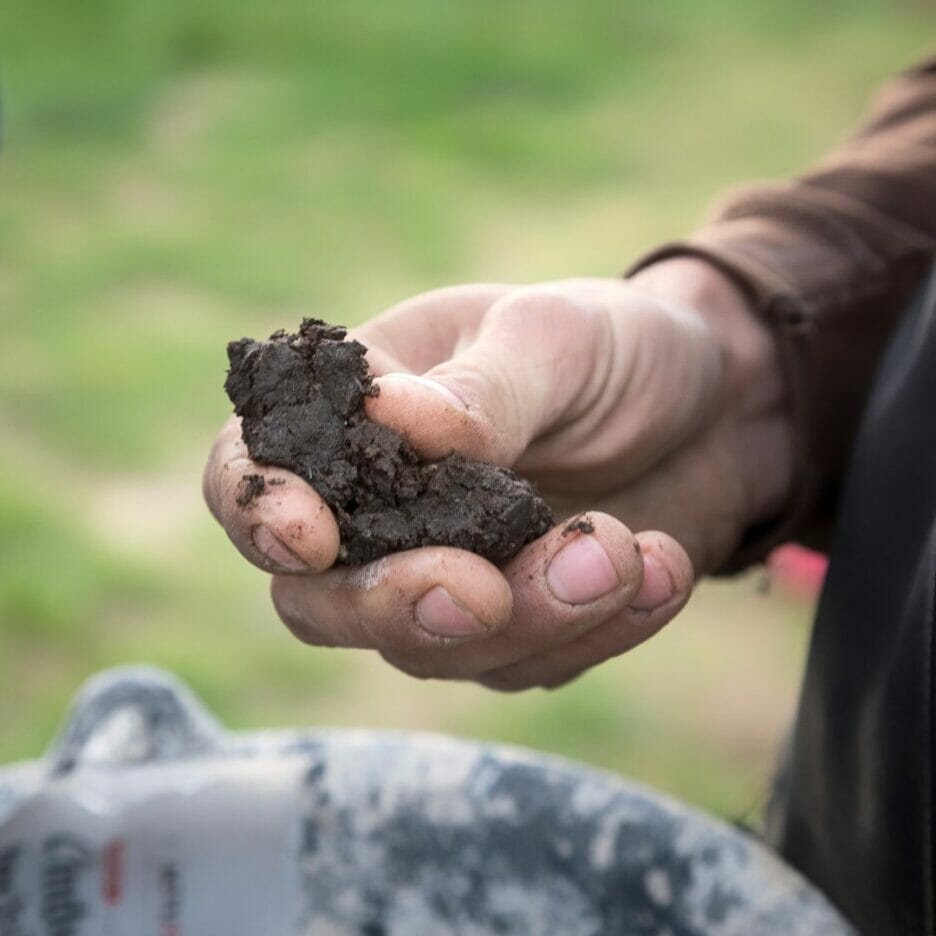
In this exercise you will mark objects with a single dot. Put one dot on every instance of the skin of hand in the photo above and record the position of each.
(656, 401)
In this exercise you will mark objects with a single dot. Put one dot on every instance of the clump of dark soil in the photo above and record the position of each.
(301, 401)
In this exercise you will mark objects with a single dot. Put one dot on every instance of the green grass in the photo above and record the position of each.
(177, 174)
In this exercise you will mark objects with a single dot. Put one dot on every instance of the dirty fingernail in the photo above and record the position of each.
(438, 388)
(581, 572)
(438, 613)
(275, 551)
(657, 587)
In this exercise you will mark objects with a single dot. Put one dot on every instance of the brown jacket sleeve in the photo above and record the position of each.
(830, 261)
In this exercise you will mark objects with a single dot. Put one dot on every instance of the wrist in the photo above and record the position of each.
(755, 412)
(753, 377)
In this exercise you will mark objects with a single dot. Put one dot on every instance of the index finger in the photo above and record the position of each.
(425, 330)
(276, 520)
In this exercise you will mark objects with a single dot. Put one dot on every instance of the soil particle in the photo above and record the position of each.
(301, 401)
(250, 487)
(578, 525)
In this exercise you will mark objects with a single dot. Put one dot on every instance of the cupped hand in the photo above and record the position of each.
(654, 403)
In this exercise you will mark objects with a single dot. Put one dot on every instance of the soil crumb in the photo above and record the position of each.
(301, 401)
(578, 525)
(250, 487)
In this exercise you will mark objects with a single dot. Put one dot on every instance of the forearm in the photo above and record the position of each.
(829, 262)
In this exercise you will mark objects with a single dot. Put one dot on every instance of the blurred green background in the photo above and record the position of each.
(175, 174)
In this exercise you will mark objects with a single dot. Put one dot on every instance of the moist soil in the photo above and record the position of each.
(301, 401)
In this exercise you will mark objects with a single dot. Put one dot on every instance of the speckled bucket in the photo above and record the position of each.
(146, 817)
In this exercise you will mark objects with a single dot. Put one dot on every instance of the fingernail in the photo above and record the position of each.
(275, 551)
(438, 613)
(581, 572)
(429, 384)
(657, 587)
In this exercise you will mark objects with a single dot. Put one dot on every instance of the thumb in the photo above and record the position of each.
(523, 375)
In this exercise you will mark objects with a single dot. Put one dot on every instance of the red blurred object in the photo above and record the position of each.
(798, 569)
(113, 868)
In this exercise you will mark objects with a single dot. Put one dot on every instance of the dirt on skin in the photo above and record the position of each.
(301, 401)
(578, 525)
(250, 487)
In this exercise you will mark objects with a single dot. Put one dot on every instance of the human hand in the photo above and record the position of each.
(613, 400)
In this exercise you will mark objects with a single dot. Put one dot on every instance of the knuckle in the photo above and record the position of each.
(210, 489)
(410, 664)
(520, 678)
(216, 472)
(433, 664)
(558, 680)
(529, 308)
(503, 681)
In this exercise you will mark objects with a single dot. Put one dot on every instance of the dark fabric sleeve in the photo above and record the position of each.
(830, 261)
